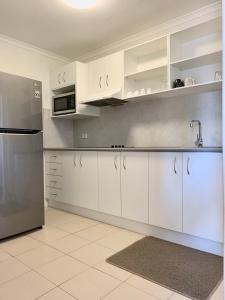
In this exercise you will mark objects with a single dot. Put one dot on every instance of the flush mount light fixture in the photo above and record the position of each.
(81, 4)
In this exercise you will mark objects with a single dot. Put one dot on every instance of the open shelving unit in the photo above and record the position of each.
(194, 52)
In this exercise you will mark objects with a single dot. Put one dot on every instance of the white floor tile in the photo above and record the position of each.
(176, 296)
(113, 271)
(69, 243)
(74, 226)
(19, 245)
(3, 255)
(90, 285)
(48, 234)
(92, 254)
(97, 232)
(11, 268)
(62, 269)
(56, 294)
(120, 239)
(39, 256)
(26, 287)
(150, 287)
(126, 292)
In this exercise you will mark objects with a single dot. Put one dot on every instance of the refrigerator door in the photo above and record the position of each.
(21, 183)
(20, 102)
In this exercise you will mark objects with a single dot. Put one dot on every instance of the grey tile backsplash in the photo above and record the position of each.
(159, 122)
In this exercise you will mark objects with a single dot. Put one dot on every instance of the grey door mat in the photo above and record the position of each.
(192, 273)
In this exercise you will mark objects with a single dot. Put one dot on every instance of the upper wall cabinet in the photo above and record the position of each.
(197, 52)
(146, 67)
(63, 77)
(105, 76)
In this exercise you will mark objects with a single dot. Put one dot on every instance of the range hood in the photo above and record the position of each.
(112, 99)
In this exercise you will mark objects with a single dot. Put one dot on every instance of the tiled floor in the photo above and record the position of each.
(66, 261)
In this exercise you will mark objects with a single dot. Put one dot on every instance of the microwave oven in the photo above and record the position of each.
(64, 104)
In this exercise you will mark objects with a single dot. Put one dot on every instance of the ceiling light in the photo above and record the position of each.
(81, 4)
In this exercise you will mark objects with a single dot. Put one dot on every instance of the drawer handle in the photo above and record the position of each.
(174, 165)
(53, 194)
(107, 80)
(188, 161)
(53, 169)
(54, 156)
(81, 163)
(53, 181)
(64, 74)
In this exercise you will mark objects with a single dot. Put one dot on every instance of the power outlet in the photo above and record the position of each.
(84, 135)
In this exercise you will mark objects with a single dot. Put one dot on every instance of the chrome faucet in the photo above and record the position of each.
(199, 141)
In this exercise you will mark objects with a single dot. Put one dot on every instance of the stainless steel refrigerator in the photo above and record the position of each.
(21, 155)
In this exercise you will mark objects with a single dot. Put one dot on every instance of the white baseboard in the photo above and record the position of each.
(168, 235)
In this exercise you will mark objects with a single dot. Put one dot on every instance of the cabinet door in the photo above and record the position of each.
(165, 190)
(203, 195)
(88, 179)
(56, 79)
(114, 68)
(68, 75)
(96, 81)
(109, 182)
(70, 191)
(134, 186)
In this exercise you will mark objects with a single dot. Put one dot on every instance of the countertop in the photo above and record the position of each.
(140, 149)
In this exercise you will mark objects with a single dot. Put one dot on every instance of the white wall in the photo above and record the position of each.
(24, 60)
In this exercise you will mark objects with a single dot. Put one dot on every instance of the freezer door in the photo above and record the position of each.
(20, 102)
(21, 183)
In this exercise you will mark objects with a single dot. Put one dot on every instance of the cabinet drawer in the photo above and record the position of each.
(53, 169)
(53, 194)
(54, 157)
(53, 181)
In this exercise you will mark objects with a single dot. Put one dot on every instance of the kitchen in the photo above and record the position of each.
(132, 140)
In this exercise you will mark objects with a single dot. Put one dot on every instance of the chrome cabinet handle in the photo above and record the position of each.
(54, 194)
(81, 164)
(53, 181)
(107, 80)
(53, 169)
(59, 76)
(100, 82)
(54, 156)
(124, 162)
(74, 160)
(174, 165)
(64, 74)
(115, 162)
(188, 161)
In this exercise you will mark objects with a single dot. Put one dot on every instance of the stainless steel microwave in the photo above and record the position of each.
(64, 104)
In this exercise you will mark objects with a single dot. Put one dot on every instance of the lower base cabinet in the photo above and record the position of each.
(134, 186)
(109, 183)
(176, 191)
(203, 195)
(165, 190)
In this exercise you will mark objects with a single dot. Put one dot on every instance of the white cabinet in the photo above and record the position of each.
(86, 179)
(134, 186)
(69, 185)
(165, 190)
(63, 76)
(105, 75)
(109, 183)
(203, 195)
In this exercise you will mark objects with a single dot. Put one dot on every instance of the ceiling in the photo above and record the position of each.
(54, 26)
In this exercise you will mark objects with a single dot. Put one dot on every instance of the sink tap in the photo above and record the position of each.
(199, 141)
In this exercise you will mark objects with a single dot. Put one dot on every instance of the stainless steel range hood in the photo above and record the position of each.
(112, 99)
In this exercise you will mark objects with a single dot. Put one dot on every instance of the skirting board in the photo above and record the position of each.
(149, 230)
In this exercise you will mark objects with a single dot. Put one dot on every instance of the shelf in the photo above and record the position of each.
(198, 61)
(188, 90)
(148, 73)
